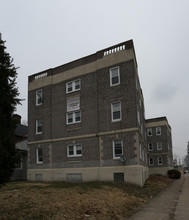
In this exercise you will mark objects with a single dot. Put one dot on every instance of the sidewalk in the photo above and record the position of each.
(182, 208)
(170, 204)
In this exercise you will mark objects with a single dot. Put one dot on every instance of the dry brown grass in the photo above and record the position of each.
(60, 200)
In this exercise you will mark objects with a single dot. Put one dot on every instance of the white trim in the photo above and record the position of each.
(74, 117)
(73, 86)
(157, 131)
(151, 146)
(149, 129)
(37, 156)
(74, 150)
(110, 71)
(37, 97)
(119, 119)
(161, 160)
(152, 161)
(37, 124)
(113, 143)
(160, 146)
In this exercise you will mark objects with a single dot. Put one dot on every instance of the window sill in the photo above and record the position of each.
(78, 161)
(74, 123)
(73, 91)
(118, 120)
(38, 133)
(74, 156)
(112, 85)
(116, 158)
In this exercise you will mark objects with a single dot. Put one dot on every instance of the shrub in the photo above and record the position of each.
(174, 174)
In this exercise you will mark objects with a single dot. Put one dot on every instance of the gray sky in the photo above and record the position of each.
(43, 34)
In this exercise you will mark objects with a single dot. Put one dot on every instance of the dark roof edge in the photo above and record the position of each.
(163, 118)
(82, 61)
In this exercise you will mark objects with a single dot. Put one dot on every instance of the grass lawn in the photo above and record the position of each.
(63, 200)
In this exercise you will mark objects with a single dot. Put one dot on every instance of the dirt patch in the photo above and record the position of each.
(97, 200)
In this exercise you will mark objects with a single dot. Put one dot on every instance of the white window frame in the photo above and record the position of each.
(118, 119)
(161, 160)
(149, 130)
(75, 146)
(74, 117)
(140, 150)
(151, 164)
(150, 147)
(159, 145)
(116, 67)
(158, 131)
(38, 161)
(73, 86)
(113, 143)
(37, 97)
(138, 117)
(37, 126)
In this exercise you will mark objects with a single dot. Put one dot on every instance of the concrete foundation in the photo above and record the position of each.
(132, 174)
(159, 170)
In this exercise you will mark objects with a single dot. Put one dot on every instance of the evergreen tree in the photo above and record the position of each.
(8, 101)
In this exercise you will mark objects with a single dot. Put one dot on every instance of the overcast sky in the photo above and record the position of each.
(42, 34)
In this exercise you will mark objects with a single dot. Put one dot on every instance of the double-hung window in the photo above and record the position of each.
(150, 146)
(114, 76)
(117, 148)
(39, 155)
(38, 126)
(73, 86)
(39, 96)
(74, 150)
(149, 131)
(116, 111)
(73, 117)
(151, 161)
(159, 145)
(73, 111)
(158, 131)
(160, 161)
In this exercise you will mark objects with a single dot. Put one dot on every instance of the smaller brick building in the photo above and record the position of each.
(159, 143)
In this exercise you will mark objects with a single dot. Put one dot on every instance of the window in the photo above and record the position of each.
(159, 146)
(158, 131)
(38, 126)
(114, 76)
(73, 86)
(160, 161)
(116, 111)
(151, 161)
(73, 117)
(150, 147)
(149, 131)
(39, 95)
(117, 148)
(73, 110)
(39, 155)
(74, 150)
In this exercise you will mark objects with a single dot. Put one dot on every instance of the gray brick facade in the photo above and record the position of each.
(160, 144)
(83, 115)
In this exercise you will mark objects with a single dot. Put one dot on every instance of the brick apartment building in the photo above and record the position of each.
(86, 120)
(159, 142)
